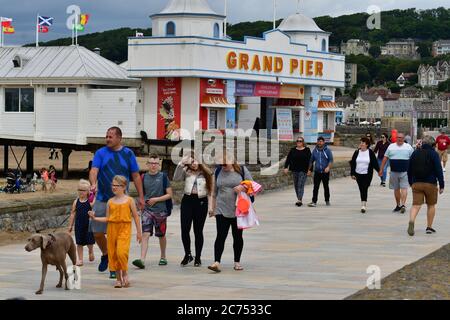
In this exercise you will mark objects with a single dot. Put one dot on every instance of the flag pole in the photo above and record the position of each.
(37, 30)
(1, 31)
(274, 13)
(76, 29)
(226, 19)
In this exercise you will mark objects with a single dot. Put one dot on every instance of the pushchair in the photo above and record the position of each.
(14, 182)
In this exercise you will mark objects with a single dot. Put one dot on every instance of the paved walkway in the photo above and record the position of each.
(296, 253)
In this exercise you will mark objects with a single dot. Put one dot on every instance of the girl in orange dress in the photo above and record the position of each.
(119, 211)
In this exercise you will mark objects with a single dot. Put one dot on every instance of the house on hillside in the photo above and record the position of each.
(431, 76)
(402, 48)
(405, 78)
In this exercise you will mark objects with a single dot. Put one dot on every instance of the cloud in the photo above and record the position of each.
(111, 14)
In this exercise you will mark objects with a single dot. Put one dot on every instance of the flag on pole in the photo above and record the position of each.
(84, 18)
(43, 29)
(6, 22)
(7, 27)
(45, 21)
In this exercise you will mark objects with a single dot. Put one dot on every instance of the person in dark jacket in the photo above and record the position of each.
(298, 163)
(380, 150)
(322, 160)
(424, 172)
(362, 165)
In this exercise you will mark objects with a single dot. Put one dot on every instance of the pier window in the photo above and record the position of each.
(324, 45)
(170, 29)
(19, 100)
(216, 30)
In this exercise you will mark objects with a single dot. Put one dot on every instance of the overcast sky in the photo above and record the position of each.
(111, 14)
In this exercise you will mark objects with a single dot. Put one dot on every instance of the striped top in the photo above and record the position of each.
(399, 156)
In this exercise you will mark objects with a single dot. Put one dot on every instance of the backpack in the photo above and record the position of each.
(422, 167)
(169, 203)
(217, 172)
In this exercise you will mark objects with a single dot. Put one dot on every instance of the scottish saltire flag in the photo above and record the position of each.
(45, 21)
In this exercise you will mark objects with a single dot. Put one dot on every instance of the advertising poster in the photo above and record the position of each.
(169, 108)
(284, 124)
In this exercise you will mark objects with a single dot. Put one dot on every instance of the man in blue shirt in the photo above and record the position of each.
(109, 161)
(322, 160)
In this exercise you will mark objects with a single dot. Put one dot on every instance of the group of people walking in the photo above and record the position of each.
(106, 219)
(420, 168)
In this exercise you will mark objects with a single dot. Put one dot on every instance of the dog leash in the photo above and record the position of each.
(59, 226)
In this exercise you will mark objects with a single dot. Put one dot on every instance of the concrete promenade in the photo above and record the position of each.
(296, 253)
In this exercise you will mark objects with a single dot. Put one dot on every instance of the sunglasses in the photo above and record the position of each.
(300, 141)
(118, 186)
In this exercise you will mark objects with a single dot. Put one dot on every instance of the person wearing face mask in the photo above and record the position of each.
(362, 165)
(380, 150)
(195, 205)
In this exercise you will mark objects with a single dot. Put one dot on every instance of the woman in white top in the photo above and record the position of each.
(196, 203)
(363, 163)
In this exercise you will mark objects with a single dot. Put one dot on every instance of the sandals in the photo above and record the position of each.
(214, 268)
(91, 257)
(79, 264)
(238, 267)
(118, 284)
(162, 262)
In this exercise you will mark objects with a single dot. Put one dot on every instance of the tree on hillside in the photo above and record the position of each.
(375, 51)
(444, 86)
(424, 49)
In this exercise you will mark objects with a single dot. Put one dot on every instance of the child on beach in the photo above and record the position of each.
(157, 194)
(44, 178)
(80, 217)
(119, 211)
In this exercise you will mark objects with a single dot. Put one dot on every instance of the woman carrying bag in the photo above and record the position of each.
(362, 165)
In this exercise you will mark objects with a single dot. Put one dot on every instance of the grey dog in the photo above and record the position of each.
(54, 248)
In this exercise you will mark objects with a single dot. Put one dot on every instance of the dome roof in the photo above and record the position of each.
(188, 7)
(299, 22)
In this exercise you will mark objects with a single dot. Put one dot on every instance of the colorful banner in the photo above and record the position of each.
(272, 90)
(267, 90)
(169, 108)
(292, 91)
(210, 88)
(284, 125)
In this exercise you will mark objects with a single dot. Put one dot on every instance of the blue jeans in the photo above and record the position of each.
(383, 178)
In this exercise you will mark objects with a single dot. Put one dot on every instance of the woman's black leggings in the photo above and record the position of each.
(223, 226)
(363, 181)
(193, 210)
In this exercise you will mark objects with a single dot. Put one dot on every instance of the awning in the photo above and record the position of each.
(216, 102)
(328, 106)
(288, 103)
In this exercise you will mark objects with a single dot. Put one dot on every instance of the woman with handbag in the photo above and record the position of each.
(227, 186)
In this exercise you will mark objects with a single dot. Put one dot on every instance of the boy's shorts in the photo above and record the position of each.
(154, 220)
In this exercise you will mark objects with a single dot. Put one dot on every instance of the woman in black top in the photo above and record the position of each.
(298, 162)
